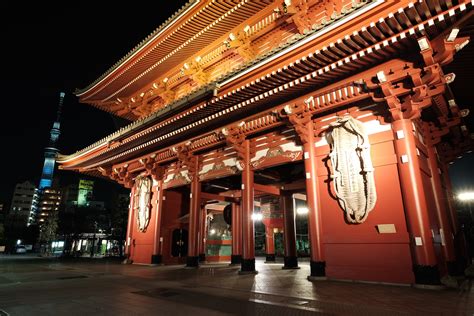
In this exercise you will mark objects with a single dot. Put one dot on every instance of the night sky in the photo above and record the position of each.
(60, 46)
(49, 47)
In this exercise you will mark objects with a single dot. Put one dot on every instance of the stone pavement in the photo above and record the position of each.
(42, 286)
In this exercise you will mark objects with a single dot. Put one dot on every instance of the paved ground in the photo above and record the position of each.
(38, 286)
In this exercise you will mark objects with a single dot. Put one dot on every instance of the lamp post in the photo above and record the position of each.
(93, 239)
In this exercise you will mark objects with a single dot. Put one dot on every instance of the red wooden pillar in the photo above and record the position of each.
(269, 244)
(318, 263)
(248, 253)
(416, 211)
(453, 216)
(236, 257)
(192, 259)
(447, 243)
(157, 257)
(128, 238)
(202, 234)
(462, 253)
(291, 258)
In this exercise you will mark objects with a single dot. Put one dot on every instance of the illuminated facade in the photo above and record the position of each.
(342, 104)
(51, 151)
(49, 203)
(24, 204)
(85, 190)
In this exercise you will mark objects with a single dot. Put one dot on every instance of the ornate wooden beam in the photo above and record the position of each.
(218, 197)
(269, 189)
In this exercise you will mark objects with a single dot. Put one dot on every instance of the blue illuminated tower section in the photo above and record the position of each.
(51, 151)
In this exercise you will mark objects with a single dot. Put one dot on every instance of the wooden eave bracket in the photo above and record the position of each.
(298, 118)
(235, 137)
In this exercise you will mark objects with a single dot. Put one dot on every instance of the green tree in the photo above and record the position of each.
(119, 219)
(48, 231)
(2, 234)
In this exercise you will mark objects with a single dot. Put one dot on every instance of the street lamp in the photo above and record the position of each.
(302, 210)
(467, 197)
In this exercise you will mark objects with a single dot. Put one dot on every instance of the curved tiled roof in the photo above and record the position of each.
(161, 52)
(139, 46)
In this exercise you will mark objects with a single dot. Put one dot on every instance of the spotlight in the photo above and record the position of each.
(423, 43)
(466, 196)
(452, 35)
(381, 77)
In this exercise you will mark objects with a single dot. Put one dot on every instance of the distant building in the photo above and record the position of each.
(49, 197)
(50, 202)
(70, 193)
(85, 192)
(98, 205)
(24, 204)
(81, 194)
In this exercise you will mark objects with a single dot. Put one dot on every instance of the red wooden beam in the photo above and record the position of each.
(267, 189)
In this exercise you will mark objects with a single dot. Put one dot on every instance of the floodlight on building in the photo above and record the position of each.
(256, 217)
(467, 196)
(287, 109)
(302, 210)
(424, 44)
(381, 77)
(452, 35)
(198, 59)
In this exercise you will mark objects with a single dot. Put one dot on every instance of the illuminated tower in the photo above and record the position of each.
(51, 151)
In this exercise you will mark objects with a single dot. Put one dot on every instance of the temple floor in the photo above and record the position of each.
(42, 286)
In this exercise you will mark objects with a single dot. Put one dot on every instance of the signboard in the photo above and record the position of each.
(85, 192)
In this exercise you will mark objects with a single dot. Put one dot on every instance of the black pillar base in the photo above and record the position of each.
(426, 275)
(202, 257)
(156, 259)
(453, 268)
(192, 262)
(127, 261)
(236, 259)
(270, 257)
(318, 268)
(290, 262)
(248, 266)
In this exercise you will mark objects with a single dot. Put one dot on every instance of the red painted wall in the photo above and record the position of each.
(173, 208)
(142, 242)
(360, 252)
